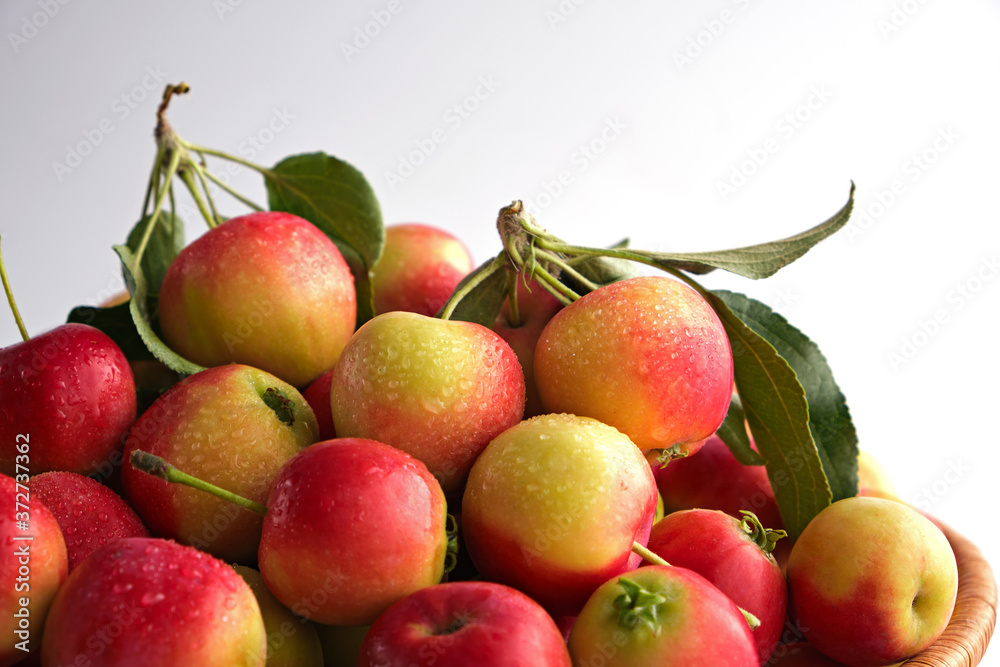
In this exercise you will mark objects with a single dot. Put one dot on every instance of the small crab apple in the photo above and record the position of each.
(646, 355)
(419, 268)
(439, 390)
(268, 290)
(554, 506)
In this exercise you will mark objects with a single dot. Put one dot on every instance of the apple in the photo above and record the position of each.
(465, 623)
(661, 616)
(267, 289)
(292, 641)
(352, 525)
(317, 395)
(153, 602)
(553, 507)
(871, 581)
(90, 514)
(712, 478)
(419, 268)
(71, 392)
(735, 556)
(535, 307)
(800, 654)
(233, 426)
(646, 355)
(439, 390)
(33, 565)
(873, 477)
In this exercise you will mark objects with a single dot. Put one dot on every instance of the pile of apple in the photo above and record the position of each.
(285, 448)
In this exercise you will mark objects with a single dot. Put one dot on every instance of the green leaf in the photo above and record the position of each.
(756, 261)
(483, 302)
(734, 433)
(600, 270)
(117, 323)
(142, 307)
(337, 198)
(165, 241)
(778, 415)
(829, 419)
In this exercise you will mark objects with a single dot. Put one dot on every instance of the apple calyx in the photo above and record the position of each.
(638, 606)
(280, 404)
(765, 538)
(668, 454)
(10, 300)
(157, 467)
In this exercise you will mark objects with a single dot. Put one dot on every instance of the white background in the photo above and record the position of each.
(885, 93)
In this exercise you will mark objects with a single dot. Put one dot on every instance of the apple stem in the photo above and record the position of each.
(648, 555)
(10, 300)
(765, 538)
(513, 312)
(157, 467)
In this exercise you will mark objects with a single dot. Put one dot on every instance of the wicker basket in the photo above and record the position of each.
(964, 641)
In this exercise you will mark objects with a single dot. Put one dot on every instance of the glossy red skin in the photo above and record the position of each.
(213, 425)
(352, 526)
(46, 567)
(714, 545)
(153, 602)
(535, 308)
(317, 394)
(465, 623)
(713, 479)
(72, 391)
(419, 268)
(89, 513)
(646, 355)
(698, 625)
(492, 496)
(268, 290)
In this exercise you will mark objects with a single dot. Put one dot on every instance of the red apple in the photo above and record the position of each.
(33, 565)
(871, 581)
(267, 289)
(89, 513)
(419, 268)
(233, 426)
(152, 602)
(439, 390)
(646, 355)
(553, 507)
(71, 392)
(317, 395)
(735, 556)
(535, 307)
(352, 525)
(661, 617)
(465, 623)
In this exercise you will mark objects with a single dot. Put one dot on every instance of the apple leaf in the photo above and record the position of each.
(117, 323)
(778, 415)
(599, 270)
(829, 419)
(756, 261)
(336, 197)
(734, 433)
(142, 307)
(483, 302)
(166, 240)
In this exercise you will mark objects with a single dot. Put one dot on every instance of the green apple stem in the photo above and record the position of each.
(513, 311)
(10, 300)
(648, 555)
(765, 538)
(157, 467)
